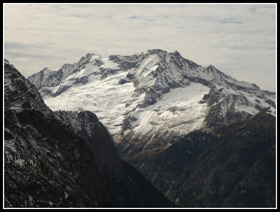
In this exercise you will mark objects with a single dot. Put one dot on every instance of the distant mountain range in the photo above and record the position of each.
(147, 100)
(80, 136)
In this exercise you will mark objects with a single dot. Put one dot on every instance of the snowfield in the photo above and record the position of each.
(107, 98)
(150, 96)
(178, 112)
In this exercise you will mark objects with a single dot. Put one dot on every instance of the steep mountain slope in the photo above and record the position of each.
(148, 99)
(46, 164)
(232, 166)
(126, 185)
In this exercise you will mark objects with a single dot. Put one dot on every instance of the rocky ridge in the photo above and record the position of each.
(52, 161)
(127, 187)
(45, 163)
(148, 99)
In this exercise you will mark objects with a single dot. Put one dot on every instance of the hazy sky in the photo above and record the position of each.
(238, 39)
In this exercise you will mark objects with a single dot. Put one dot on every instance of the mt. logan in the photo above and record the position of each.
(148, 99)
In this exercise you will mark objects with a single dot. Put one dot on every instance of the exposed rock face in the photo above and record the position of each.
(46, 163)
(125, 184)
(232, 166)
(64, 159)
(147, 100)
(194, 132)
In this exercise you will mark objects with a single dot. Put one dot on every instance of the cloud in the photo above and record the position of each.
(25, 55)
(233, 37)
(230, 20)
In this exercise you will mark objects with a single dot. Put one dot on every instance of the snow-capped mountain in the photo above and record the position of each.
(149, 99)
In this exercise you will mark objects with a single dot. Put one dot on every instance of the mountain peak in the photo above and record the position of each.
(86, 57)
(22, 94)
(176, 53)
(211, 67)
(46, 70)
(144, 94)
(6, 62)
(89, 54)
(156, 51)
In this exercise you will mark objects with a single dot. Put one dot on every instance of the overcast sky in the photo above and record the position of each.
(238, 39)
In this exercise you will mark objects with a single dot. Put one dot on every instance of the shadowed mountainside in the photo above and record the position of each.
(232, 166)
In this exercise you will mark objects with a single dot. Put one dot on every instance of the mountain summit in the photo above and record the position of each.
(148, 99)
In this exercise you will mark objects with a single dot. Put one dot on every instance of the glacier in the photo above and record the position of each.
(148, 99)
